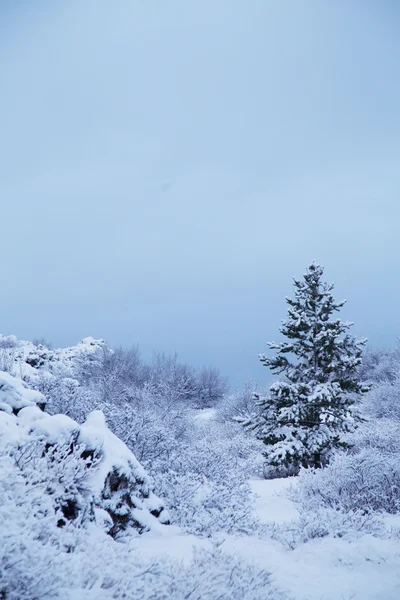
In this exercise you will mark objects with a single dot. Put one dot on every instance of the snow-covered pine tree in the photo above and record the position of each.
(307, 412)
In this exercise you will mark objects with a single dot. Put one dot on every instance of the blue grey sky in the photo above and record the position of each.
(167, 167)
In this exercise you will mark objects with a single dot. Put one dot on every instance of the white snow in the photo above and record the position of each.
(56, 428)
(15, 392)
(30, 414)
(367, 568)
(205, 414)
(169, 541)
(327, 568)
(272, 504)
(10, 432)
(95, 435)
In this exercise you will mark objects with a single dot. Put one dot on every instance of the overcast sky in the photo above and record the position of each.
(168, 166)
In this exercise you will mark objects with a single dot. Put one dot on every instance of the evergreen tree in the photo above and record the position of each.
(307, 412)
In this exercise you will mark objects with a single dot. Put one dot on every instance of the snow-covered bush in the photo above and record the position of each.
(86, 470)
(30, 541)
(380, 364)
(241, 403)
(203, 506)
(171, 379)
(383, 400)
(200, 468)
(381, 435)
(16, 395)
(211, 387)
(210, 575)
(368, 481)
(65, 395)
(62, 473)
(217, 450)
(205, 483)
(322, 522)
(39, 560)
(335, 523)
(178, 450)
(29, 568)
(71, 489)
(116, 375)
(8, 353)
(214, 574)
(152, 425)
(97, 568)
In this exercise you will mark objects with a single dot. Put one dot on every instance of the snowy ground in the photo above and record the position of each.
(366, 568)
(204, 414)
(272, 505)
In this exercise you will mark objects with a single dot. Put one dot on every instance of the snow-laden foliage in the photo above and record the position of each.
(91, 375)
(147, 408)
(97, 568)
(41, 561)
(199, 467)
(60, 472)
(380, 364)
(368, 481)
(240, 404)
(305, 416)
(71, 489)
(87, 471)
(383, 400)
(380, 409)
(211, 387)
(31, 358)
(151, 424)
(380, 435)
(15, 394)
(64, 395)
(206, 482)
(8, 352)
(324, 522)
(65, 485)
(45, 554)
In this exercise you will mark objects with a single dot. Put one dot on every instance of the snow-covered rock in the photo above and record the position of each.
(30, 414)
(27, 359)
(114, 489)
(56, 429)
(15, 394)
(119, 483)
